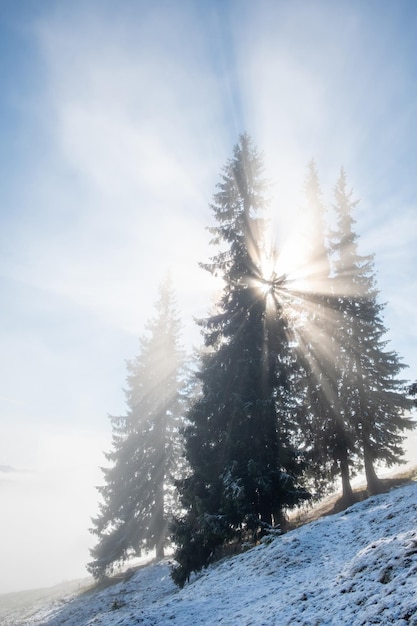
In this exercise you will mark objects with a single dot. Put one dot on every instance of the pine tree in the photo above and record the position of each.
(145, 460)
(371, 397)
(412, 391)
(327, 436)
(243, 468)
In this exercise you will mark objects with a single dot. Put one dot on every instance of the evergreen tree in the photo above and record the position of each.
(412, 391)
(327, 436)
(243, 468)
(317, 259)
(371, 397)
(145, 460)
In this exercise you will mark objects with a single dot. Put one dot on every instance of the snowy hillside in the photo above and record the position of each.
(355, 568)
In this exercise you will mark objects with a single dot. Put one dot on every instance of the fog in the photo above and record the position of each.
(116, 121)
(46, 509)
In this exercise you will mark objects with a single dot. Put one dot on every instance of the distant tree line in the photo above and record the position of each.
(294, 388)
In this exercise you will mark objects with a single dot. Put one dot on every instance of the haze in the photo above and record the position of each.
(116, 120)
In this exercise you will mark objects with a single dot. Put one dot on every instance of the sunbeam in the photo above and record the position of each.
(115, 120)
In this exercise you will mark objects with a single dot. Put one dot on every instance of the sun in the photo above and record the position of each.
(282, 269)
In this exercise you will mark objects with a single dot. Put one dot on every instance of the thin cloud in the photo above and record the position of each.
(131, 114)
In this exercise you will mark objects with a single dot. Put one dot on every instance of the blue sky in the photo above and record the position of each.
(116, 118)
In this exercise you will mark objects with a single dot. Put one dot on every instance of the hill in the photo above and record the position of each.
(355, 567)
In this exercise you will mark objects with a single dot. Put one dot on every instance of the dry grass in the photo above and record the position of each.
(334, 503)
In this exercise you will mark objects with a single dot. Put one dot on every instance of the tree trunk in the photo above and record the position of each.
(159, 522)
(373, 483)
(266, 517)
(160, 552)
(281, 521)
(347, 491)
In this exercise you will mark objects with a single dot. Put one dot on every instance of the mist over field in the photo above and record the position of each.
(116, 121)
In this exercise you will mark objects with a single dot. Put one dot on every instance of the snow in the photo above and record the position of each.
(355, 568)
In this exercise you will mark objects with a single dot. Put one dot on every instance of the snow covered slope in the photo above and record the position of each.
(355, 568)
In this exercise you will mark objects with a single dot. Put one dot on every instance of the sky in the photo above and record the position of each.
(116, 119)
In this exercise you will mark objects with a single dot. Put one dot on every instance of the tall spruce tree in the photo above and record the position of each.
(372, 399)
(243, 468)
(138, 497)
(412, 391)
(325, 433)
